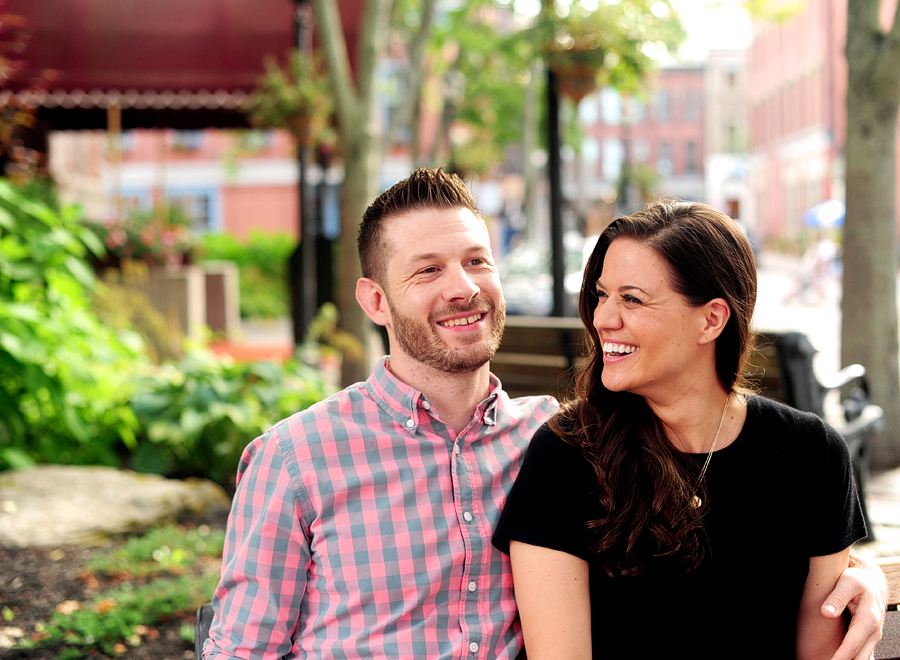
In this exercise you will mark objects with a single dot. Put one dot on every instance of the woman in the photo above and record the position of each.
(656, 514)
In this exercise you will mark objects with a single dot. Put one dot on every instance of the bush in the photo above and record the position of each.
(263, 263)
(65, 378)
(197, 417)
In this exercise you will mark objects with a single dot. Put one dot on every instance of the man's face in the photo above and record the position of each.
(446, 305)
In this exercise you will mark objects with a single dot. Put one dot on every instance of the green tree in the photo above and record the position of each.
(869, 303)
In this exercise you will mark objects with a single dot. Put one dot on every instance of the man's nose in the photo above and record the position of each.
(461, 286)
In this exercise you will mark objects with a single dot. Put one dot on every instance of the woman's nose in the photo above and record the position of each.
(606, 315)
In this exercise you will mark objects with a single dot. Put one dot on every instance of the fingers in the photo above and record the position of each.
(848, 588)
(861, 639)
(857, 592)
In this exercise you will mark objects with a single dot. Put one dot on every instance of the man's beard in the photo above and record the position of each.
(422, 343)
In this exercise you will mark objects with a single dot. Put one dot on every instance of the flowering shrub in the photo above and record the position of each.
(159, 237)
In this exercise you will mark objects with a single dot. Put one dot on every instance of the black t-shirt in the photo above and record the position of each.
(781, 493)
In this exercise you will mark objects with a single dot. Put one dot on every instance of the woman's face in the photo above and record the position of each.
(649, 334)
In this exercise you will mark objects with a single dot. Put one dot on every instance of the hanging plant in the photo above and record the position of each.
(296, 98)
(608, 45)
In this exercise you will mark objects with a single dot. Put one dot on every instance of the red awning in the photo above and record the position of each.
(178, 63)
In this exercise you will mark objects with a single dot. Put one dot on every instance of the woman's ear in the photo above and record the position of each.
(372, 299)
(716, 314)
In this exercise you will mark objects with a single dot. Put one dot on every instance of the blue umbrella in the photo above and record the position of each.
(826, 214)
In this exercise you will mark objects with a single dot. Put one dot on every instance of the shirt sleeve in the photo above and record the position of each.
(836, 520)
(548, 503)
(264, 563)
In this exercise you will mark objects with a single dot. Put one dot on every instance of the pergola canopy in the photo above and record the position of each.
(186, 64)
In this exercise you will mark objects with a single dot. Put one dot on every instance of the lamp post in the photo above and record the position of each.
(554, 174)
(303, 267)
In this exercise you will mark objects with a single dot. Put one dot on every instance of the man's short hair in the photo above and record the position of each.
(423, 189)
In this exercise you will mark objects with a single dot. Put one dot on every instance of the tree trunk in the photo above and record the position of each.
(358, 142)
(869, 330)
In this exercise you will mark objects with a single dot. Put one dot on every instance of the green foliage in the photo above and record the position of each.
(262, 260)
(491, 69)
(297, 98)
(616, 39)
(197, 416)
(163, 550)
(64, 376)
(774, 11)
(119, 618)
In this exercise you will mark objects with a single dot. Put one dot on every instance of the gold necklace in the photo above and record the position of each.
(697, 502)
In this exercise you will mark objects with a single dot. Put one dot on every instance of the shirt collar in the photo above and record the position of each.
(402, 402)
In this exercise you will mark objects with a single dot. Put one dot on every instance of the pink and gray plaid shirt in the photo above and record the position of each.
(361, 528)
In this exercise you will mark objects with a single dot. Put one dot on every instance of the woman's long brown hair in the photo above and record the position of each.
(644, 485)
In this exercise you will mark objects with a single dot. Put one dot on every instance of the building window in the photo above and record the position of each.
(635, 111)
(197, 207)
(664, 159)
(613, 156)
(640, 150)
(611, 107)
(661, 105)
(693, 166)
(731, 139)
(188, 140)
(691, 106)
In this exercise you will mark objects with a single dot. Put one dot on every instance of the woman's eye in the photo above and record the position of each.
(631, 299)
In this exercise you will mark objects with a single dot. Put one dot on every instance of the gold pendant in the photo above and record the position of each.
(697, 502)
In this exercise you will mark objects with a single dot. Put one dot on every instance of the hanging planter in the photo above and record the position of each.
(574, 50)
(577, 77)
(297, 99)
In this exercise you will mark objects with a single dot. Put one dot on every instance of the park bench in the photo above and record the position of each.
(538, 355)
(783, 369)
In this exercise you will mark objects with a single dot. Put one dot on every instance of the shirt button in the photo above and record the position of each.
(426, 405)
(410, 423)
(472, 587)
(467, 516)
(473, 647)
(456, 449)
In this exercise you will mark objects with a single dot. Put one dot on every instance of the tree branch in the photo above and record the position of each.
(416, 71)
(334, 46)
(376, 23)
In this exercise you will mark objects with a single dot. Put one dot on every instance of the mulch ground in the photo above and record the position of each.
(34, 581)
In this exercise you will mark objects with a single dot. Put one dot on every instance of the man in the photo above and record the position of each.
(361, 527)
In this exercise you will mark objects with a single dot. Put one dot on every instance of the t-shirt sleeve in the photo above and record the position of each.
(836, 519)
(547, 505)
